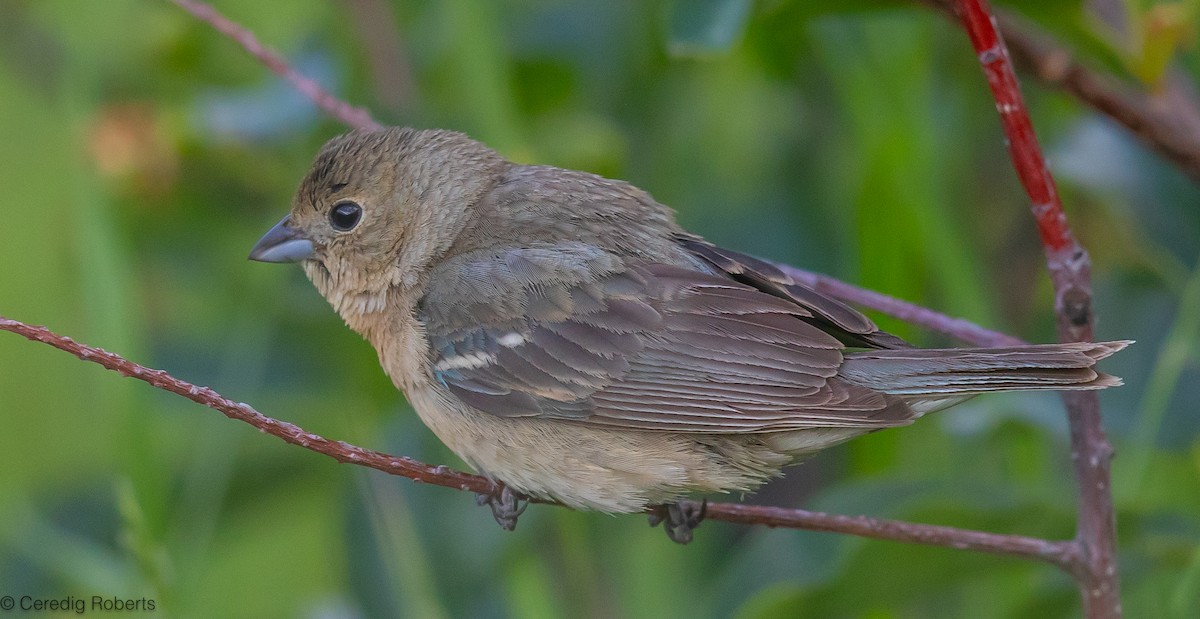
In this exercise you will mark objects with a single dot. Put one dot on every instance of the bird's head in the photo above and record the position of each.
(376, 211)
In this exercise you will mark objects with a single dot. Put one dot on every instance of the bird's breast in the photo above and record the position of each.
(399, 338)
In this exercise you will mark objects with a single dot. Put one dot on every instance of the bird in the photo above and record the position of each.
(566, 338)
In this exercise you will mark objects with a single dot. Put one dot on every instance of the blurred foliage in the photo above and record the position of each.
(142, 155)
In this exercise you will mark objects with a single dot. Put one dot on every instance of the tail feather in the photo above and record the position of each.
(946, 374)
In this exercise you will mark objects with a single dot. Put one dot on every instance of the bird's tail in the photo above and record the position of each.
(932, 379)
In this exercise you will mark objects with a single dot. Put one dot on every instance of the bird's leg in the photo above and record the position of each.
(679, 519)
(507, 505)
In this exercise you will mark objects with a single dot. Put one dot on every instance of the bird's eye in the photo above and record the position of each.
(345, 216)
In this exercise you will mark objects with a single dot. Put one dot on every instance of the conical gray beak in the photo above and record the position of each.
(282, 243)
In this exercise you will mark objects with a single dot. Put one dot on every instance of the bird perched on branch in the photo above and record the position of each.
(564, 336)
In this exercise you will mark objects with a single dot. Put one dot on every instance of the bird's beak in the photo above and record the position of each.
(282, 243)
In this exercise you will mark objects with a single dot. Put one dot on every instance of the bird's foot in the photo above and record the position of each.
(679, 519)
(507, 505)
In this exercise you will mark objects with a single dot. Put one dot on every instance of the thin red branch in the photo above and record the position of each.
(354, 116)
(1059, 553)
(1022, 144)
(1070, 271)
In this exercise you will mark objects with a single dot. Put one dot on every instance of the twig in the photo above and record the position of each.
(1058, 553)
(963, 330)
(1070, 271)
(354, 116)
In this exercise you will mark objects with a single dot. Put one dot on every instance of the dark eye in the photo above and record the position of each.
(345, 216)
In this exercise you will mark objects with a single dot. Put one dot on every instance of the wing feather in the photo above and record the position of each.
(845, 323)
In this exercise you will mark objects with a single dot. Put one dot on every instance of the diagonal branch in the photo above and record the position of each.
(958, 328)
(1070, 272)
(1058, 553)
(354, 116)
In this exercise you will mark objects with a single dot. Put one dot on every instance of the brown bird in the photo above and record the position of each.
(563, 335)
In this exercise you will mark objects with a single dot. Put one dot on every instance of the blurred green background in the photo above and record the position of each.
(141, 156)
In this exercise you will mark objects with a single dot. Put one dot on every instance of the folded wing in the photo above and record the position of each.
(570, 332)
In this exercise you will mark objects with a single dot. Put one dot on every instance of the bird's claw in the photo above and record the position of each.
(679, 519)
(507, 505)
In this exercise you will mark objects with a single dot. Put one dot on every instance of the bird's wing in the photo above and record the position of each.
(841, 321)
(571, 332)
